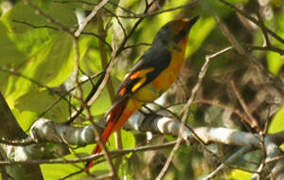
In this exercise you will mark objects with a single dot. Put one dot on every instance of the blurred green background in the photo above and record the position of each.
(37, 65)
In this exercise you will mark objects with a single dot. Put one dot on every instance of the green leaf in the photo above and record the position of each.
(10, 54)
(101, 105)
(54, 63)
(274, 62)
(63, 13)
(26, 28)
(50, 66)
(58, 171)
(24, 13)
(239, 174)
(199, 32)
(30, 107)
(277, 123)
(128, 141)
(92, 60)
(24, 118)
(3, 81)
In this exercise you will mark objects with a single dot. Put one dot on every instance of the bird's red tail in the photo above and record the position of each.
(118, 115)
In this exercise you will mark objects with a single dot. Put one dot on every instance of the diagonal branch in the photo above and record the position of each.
(186, 110)
(264, 28)
(48, 17)
(94, 12)
(228, 161)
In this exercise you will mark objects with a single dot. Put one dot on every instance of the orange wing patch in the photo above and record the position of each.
(122, 91)
(142, 75)
(138, 84)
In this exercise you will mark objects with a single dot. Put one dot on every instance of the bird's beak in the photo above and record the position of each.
(191, 22)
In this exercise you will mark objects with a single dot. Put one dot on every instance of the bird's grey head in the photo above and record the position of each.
(174, 31)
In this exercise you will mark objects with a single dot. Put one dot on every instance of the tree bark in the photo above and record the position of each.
(10, 130)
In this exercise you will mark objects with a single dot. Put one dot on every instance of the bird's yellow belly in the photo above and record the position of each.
(164, 80)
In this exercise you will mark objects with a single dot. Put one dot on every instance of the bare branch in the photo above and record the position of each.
(264, 28)
(272, 151)
(94, 12)
(228, 161)
(252, 121)
(35, 26)
(265, 48)
(48, 17)
(143, 15)
(186, 110)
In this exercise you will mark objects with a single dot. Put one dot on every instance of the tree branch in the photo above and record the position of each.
(45, 130)
(186, 110)
(94, 12)
(10, 129)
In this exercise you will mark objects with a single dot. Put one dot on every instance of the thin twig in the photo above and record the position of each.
(223, 106)
(99, 37)
(91, 157)
(143, 15)
(265, 48)
(93, 90)
(118, 21)
(136, 45)
(22, 142)
(265, 34)
(252, 121)
(243, 118)
(122, 8)
(261, 71)
(109, 84)
(273, 34)
(186, 109)
(56, 29)
(77, 76)
(113, 57)
(228, 161)
(96, 90)
(51, 90)
(90, 17)
(103, 56)
(275, 159)
(48, 17)
(106, 77)
(72, 174)
(95, 4)
(36, 26)
(87, 108)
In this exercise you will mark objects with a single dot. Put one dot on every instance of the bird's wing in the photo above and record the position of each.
(150, 65)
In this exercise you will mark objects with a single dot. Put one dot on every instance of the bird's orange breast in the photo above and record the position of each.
(165, 79)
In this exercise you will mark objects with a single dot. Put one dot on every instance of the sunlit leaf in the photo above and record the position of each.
(10, 54)
(277, 123)
(128, 140)
(50, 66)
(25, 118)
(274, 62)
(239, 174)
(199, 33)
(58, 171)
(37, 102)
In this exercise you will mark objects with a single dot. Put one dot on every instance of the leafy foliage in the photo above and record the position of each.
(37, 62)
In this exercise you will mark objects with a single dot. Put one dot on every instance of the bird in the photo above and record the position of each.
(153, 74)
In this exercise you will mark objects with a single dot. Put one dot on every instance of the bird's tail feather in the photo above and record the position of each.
(117, 116)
